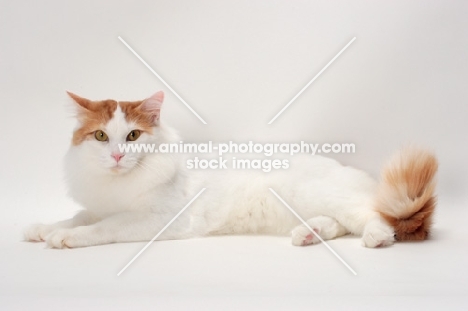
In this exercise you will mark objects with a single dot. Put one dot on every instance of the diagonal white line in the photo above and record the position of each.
(318, 236)
(310, 82)
(160, 232)
(162, 80)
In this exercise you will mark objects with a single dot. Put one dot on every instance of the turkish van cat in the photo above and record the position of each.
(129, 197)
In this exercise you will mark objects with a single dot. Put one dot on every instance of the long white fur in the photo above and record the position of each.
(136, 202)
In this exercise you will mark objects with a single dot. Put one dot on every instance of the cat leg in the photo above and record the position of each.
(377, 233)
(326, 227)
(121, 227)
(38, 232)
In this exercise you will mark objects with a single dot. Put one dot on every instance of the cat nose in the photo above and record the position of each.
(117, 156)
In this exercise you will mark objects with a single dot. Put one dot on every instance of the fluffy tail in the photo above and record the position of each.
(405, 198)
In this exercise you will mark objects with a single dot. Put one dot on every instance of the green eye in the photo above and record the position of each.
(101, 136)
(133, 135)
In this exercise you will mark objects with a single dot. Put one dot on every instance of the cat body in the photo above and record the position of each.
(131, 197)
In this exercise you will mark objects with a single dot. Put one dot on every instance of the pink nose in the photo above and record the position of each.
(117, 156)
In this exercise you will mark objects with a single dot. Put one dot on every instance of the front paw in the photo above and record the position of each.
(68, 238)
(37, 232)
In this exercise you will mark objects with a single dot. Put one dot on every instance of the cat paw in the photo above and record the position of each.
(67, 238)
(37, 232)
(378, 238)
(301, 236)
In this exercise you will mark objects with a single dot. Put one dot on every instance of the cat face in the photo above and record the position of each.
(104, 125)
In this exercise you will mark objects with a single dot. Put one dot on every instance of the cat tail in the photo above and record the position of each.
(405, 197)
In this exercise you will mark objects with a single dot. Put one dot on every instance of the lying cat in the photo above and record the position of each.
(130, 197)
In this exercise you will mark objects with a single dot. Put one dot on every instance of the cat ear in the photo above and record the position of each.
(152, 106)
(80, 101)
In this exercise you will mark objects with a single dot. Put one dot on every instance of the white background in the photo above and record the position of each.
(237, 63)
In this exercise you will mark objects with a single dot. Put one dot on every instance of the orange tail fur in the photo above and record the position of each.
(405, 198)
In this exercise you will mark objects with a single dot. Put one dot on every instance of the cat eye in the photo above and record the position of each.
(101, 136)
(133, 135)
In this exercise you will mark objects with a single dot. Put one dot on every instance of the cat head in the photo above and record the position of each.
(104, 125)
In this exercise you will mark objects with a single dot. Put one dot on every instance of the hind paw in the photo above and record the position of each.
(378, 237)
(301, 236)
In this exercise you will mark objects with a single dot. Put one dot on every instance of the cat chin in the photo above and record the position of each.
(113, 169)
(119, 170)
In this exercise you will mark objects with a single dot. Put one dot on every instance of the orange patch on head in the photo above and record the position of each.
(135, 113)
(92, 115)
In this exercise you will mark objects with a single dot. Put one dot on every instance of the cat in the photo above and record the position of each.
(131, 197)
